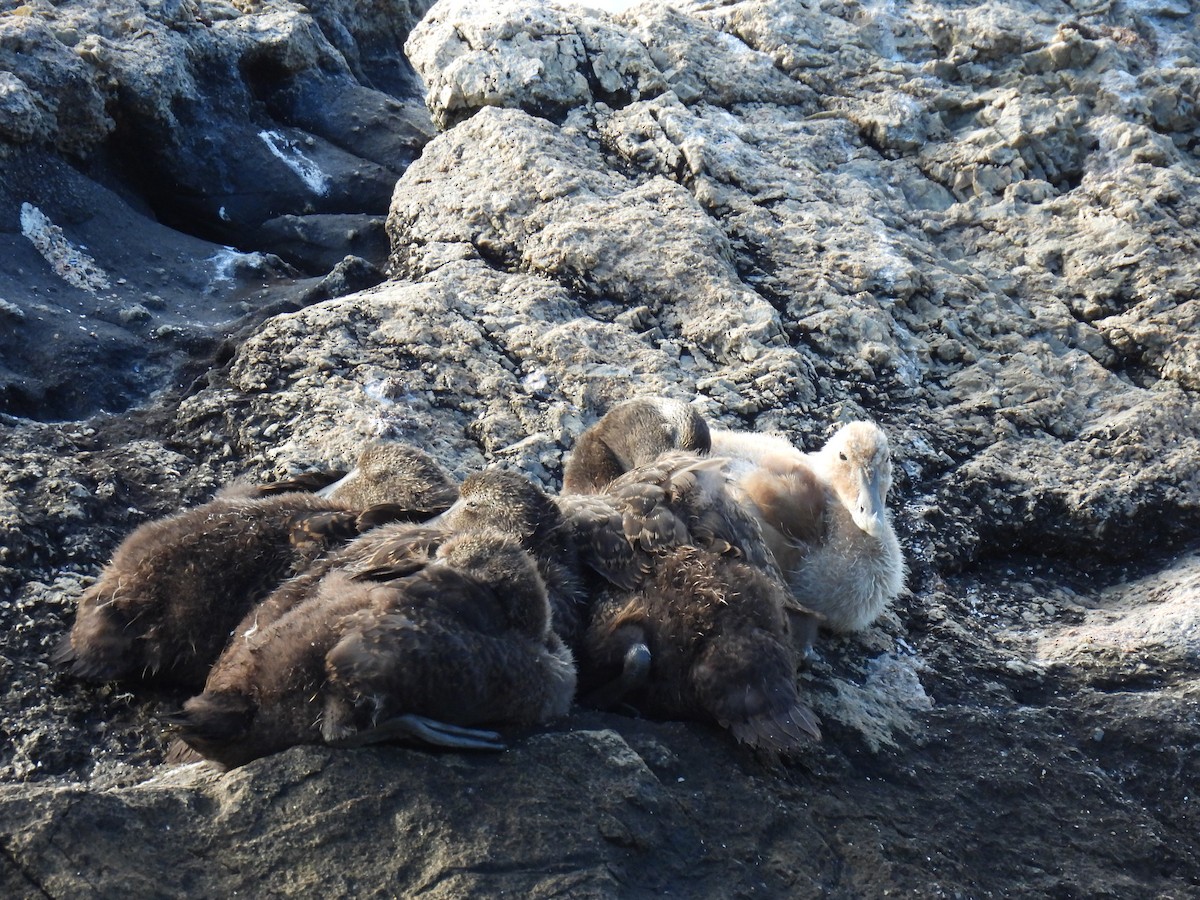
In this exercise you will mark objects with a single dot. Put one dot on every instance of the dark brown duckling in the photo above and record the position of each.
(495, 499)
(679, 498)
(631, 434)
(690, 616)
(165, 604)
(513, 504)
(387, 472)
(408, 631)
(711, 634)
(395, 472)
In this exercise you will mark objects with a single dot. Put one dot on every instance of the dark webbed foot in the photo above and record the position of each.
(429, 731)
(635, 672)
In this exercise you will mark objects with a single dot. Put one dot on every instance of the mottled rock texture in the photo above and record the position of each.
(974, 223)
(157, 137)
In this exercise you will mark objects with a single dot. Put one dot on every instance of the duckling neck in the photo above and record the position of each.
(853, 575)
(879, 555)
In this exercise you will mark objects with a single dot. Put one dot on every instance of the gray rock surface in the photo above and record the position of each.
(974, 223)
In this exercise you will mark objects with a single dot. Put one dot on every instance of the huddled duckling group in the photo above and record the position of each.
(683, 572)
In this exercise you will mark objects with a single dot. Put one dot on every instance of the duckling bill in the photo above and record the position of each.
(386, 473)
(393, 472)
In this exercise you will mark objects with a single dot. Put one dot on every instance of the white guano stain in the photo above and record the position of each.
(292, 157)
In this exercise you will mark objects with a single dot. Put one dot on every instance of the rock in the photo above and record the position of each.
(317, 240)
(547, 58)
(1143, 631)
(352, 274)
(975, 225)
(120, 120)
(21, 120)
(50, 92)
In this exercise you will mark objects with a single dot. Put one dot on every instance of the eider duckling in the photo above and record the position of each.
(385, 472)
(417, 631)
(631, 434)
(395, 472)
(165, 604)
(494, 498)
(690, 618)
(167, 600)
(512, 503)
(825, 517)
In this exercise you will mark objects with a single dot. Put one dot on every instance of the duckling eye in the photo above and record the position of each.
(842, 457)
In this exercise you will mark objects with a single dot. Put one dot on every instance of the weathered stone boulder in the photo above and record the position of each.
(974, 223)
(170, 169)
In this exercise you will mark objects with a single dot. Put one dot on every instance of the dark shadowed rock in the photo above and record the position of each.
(324, 241)
(164, 168)
(595, 812)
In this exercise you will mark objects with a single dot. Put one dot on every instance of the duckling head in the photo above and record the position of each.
(395, 472)
(857, 464)
(498, 561)
(507, 502)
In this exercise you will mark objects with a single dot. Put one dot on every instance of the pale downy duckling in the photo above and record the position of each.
(630, 434)
(414, 632)
(825, 516)
(690, 617)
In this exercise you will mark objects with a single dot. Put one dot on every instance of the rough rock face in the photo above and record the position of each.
(138, 139)
(974, 223)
